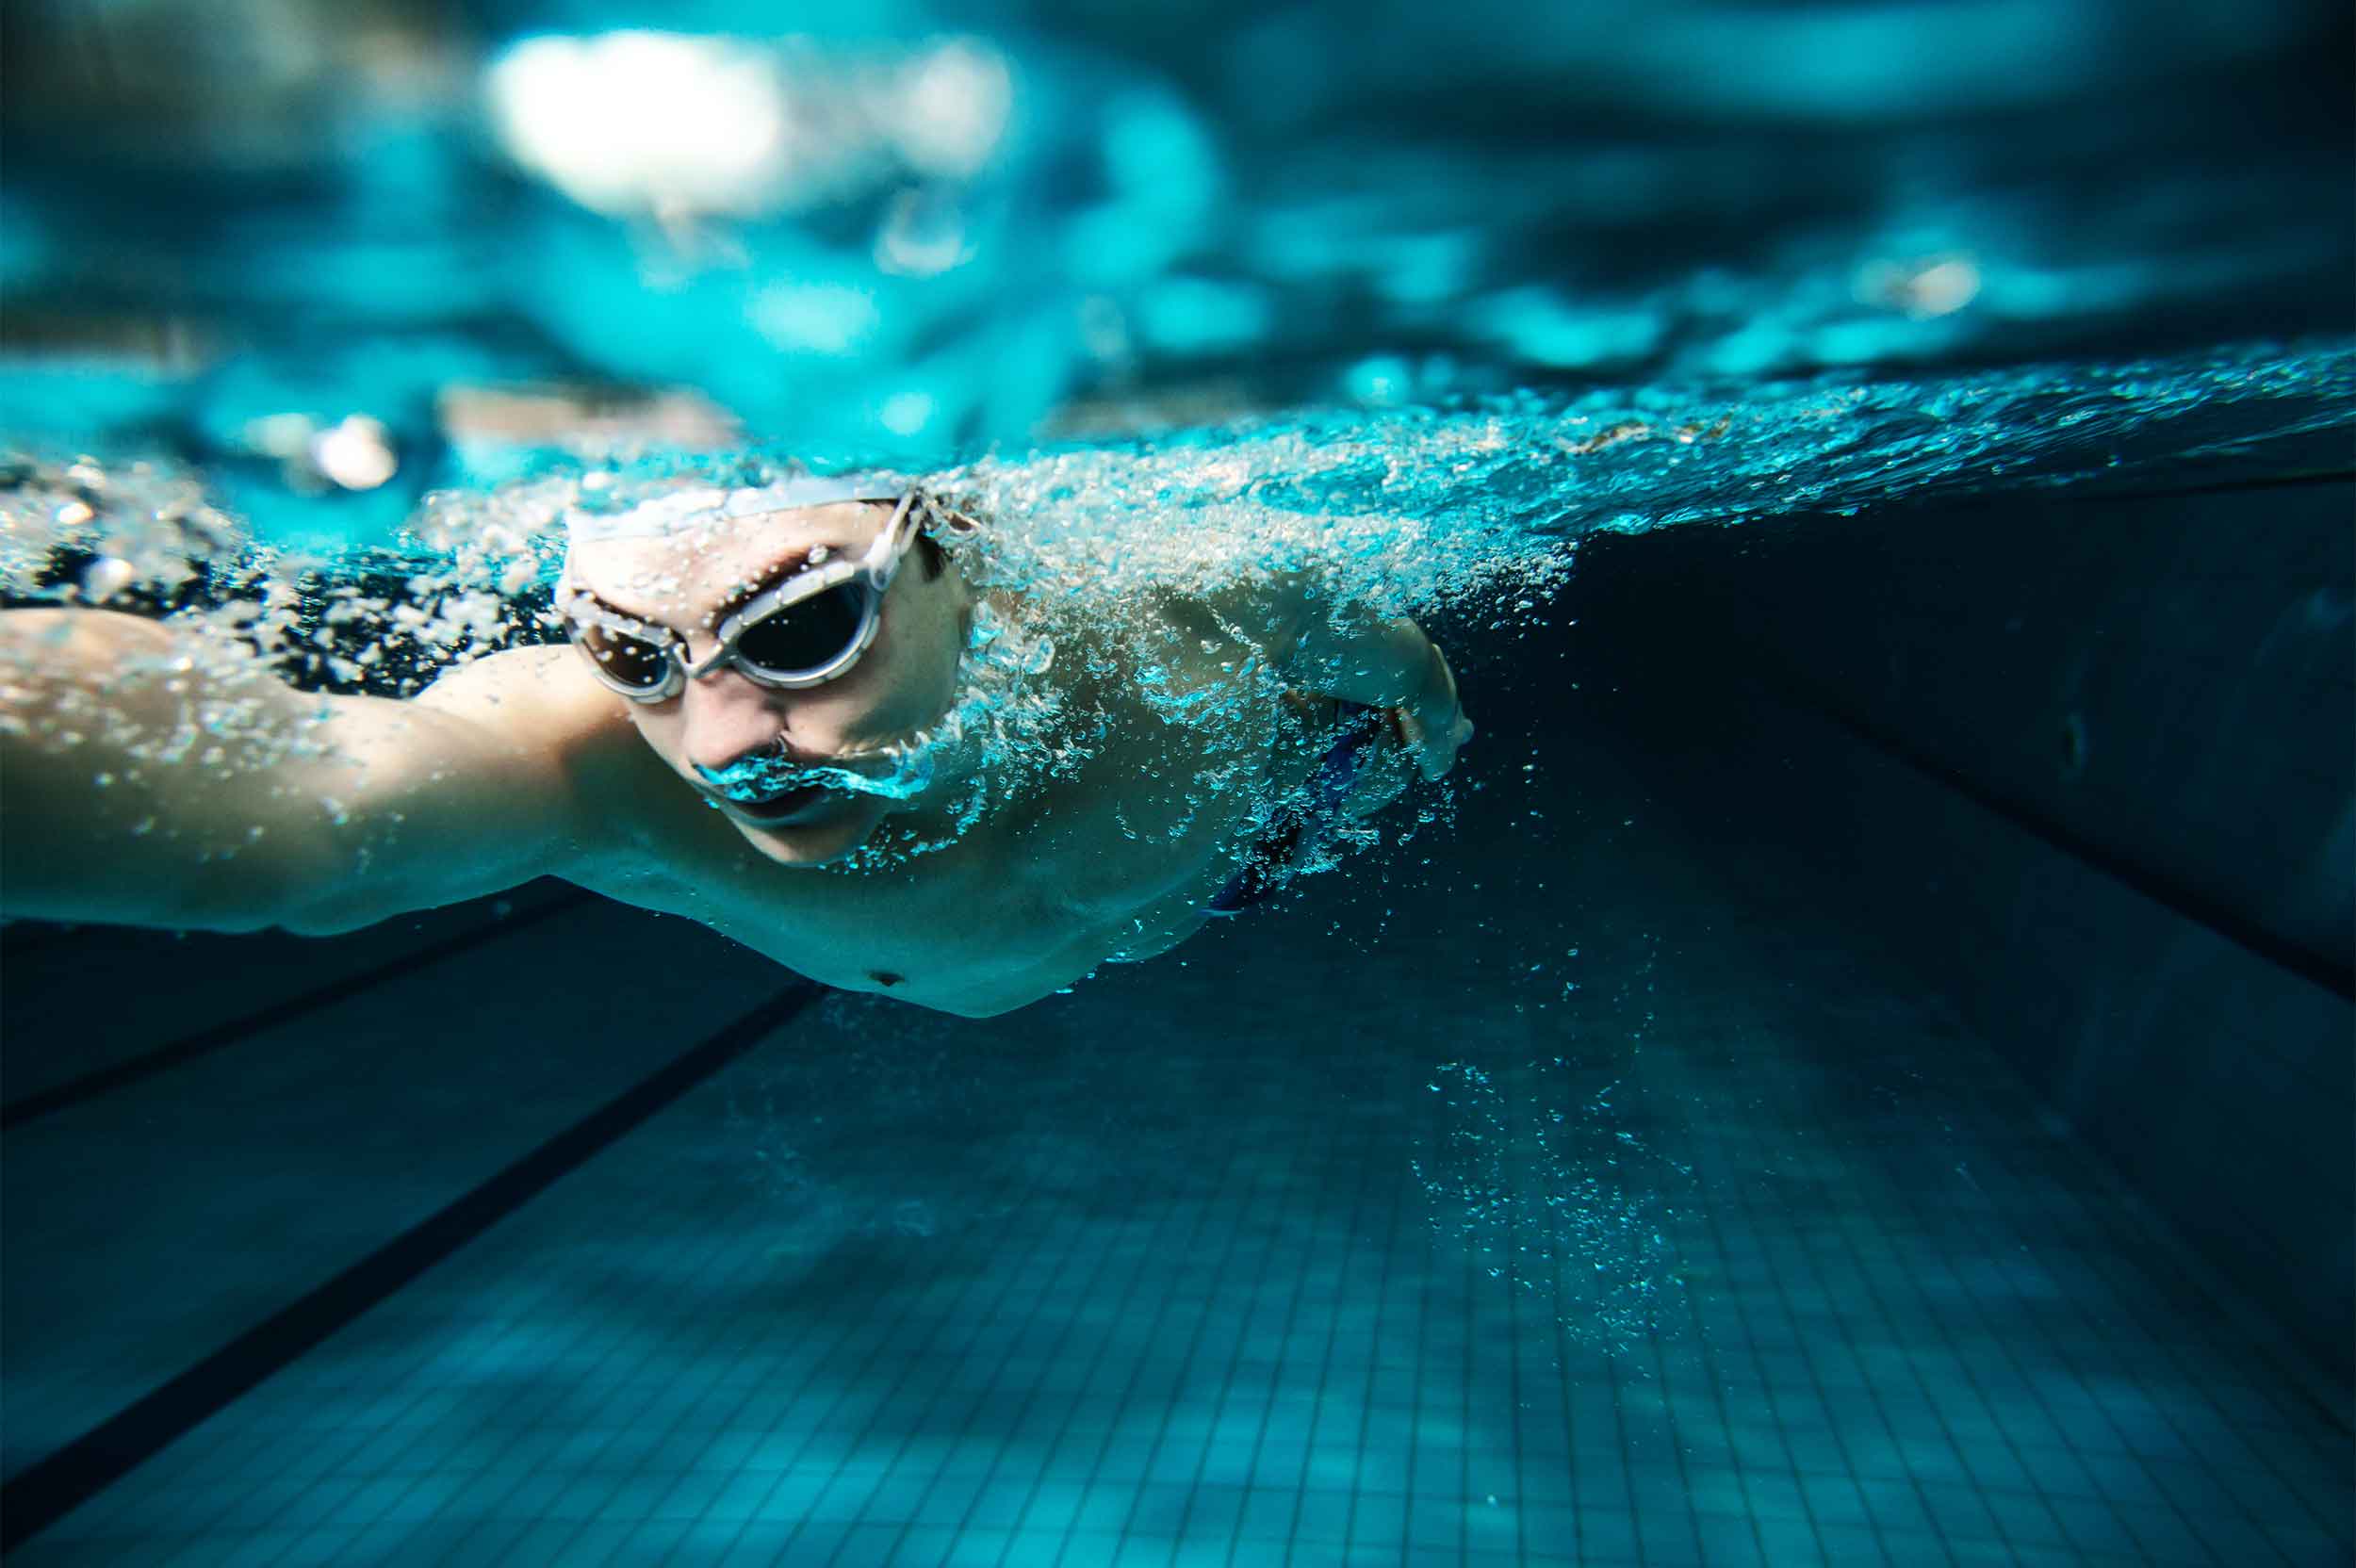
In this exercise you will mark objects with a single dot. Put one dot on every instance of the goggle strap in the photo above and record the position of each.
(895, 542)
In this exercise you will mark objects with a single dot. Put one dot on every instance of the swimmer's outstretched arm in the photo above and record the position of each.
(1354, 654)
(152, 776)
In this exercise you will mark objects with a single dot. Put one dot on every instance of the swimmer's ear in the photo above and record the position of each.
(928, 551)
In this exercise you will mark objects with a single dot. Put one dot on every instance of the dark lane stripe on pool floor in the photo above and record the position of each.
(90, 1086)
(48, 1490)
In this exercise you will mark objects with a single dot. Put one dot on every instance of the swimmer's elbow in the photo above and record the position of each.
(344, 902)
(304, 893)
(308, 882)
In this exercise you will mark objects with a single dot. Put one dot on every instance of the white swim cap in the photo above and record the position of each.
(603, 515)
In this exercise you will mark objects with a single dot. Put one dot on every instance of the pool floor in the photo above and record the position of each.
(1168, 1271)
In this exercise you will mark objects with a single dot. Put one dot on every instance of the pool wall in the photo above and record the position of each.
(2082, 766)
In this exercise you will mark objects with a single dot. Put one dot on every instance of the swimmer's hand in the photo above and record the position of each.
(1432, 722)
(1336, 649)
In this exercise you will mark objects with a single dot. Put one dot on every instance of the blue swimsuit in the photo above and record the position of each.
(1306, 824)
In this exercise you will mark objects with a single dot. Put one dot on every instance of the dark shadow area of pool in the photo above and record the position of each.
(2082, 767)
(152, 1059)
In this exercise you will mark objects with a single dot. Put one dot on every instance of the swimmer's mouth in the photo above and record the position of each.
(786, 808)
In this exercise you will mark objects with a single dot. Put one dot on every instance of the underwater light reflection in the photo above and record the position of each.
(639, 124)
(636, 123)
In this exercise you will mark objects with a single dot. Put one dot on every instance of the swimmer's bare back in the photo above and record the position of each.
(156, 777)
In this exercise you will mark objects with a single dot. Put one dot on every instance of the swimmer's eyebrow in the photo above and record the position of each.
(792, 562)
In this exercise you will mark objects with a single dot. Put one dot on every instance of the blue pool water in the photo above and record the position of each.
(1854, 1067)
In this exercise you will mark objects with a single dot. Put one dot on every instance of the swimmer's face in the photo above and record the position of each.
(689, 581)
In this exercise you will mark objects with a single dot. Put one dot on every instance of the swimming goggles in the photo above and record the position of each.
(804, 630)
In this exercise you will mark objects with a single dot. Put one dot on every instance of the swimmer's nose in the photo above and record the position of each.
(728, 717)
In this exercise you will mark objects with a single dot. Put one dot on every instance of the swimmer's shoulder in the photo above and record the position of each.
(543, 702)
(541, 694)
(1267, 611)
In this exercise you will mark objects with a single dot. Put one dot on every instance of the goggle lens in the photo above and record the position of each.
(631, 661)
(808, 635)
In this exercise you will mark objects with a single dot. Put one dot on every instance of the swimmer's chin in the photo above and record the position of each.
(813, 846)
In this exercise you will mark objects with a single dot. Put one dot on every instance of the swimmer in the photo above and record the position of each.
(769, 719)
